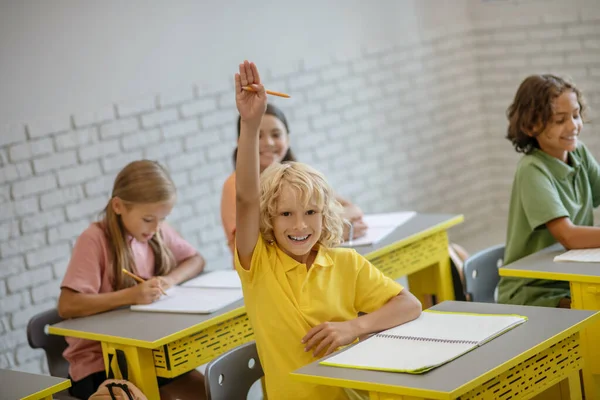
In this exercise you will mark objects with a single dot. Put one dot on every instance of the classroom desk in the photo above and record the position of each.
(540, 354)
(418, 249)
(26, 386)
(584, 280)
(161, 344)
(168, 345)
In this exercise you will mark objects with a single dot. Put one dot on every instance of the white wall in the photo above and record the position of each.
(67, 55)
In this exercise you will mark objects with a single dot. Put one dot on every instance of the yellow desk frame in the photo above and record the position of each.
(585, 295)
(172, 355)
(47, 394)
(515, 381)
(548, 369)
(423, 258)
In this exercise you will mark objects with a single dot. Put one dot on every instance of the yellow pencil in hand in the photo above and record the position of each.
(140, 280)
(251, 89)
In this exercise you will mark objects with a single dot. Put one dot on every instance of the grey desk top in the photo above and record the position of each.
(17, 385)
(154, 329)
(541, 265)
(543, 324)
(414, 226)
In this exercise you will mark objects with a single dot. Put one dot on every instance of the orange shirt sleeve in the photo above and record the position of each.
(228, 211)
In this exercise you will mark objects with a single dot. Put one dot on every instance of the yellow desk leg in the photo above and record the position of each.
(388, 396)
(586, 296)
(47, 398)
(436, 279)
(574, 386)
(140, 367)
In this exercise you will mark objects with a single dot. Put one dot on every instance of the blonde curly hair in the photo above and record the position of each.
(311, 185)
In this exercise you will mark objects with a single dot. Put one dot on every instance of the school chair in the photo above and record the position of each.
(481, 274)
(52, 345)
(231, 375)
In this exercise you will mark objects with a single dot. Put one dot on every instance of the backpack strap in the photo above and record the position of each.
(121, 386)
(121, 362)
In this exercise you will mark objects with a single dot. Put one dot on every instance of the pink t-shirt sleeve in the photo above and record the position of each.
(180, 248)
(86, 267)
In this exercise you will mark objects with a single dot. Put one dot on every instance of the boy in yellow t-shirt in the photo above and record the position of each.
(302, 296)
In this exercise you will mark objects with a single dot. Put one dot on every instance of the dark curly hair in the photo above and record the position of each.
(531, 109)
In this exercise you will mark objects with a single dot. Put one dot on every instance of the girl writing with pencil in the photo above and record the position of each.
(302, 295)
(130, 240)
(274, 147)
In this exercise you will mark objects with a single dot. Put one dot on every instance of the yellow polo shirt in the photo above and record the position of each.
(284, 301)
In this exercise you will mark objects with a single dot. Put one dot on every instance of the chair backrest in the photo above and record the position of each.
(231, 375)
(53, 345)
(481, 274)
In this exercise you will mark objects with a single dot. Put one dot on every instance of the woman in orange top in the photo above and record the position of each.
(274, 148)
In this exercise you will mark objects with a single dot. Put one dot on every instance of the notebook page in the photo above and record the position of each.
(388, 219)
(380, 226)
(377, 353)
(450, 326)
(216, 279)
(583, 255)
(372, 236)
(192, 300)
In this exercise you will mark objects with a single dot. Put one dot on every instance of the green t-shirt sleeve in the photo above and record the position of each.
(593, 172)
(539, 197)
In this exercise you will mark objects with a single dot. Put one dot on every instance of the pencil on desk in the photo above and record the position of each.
(251, 89)
(140, 280)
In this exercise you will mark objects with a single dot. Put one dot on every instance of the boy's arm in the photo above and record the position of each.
(573, 236)
(330, 335)
(251, 106)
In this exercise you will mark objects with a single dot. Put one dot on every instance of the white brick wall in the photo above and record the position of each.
(409, 125)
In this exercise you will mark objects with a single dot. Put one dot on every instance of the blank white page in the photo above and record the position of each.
(388, 219)
(377, 353)
(583, 255)
(216, 279)
(379, 226)
(191, 300)
(450, 326)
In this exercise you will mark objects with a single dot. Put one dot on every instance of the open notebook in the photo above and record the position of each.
(192, 300)
(216, 279)
(379, 226)
(431, 340)
(582, 255)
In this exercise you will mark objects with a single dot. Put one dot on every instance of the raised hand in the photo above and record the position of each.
(250, 104)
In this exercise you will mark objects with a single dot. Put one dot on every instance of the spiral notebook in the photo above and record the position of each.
(431, 340)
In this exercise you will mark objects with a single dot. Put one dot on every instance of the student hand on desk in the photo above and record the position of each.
(329, 336)
(359, 229)
(147, 292)
(355, 215)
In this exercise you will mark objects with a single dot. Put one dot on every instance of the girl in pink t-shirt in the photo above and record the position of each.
(132, 235)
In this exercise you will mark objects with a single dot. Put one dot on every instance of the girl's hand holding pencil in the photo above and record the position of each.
(147, 291)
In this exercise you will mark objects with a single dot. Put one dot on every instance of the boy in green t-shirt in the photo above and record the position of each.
(556, 186)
